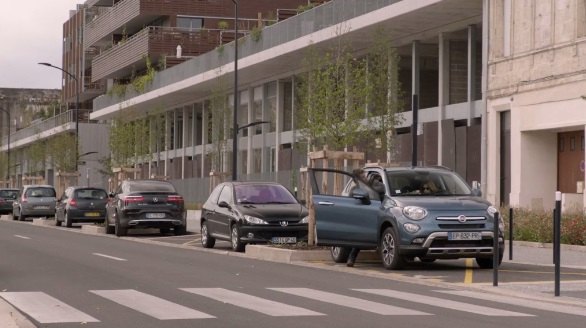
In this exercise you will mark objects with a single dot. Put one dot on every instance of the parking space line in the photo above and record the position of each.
(110, 257)
(23, 237)
(469, 271)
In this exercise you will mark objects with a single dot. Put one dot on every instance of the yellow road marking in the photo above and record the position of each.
(468, 274)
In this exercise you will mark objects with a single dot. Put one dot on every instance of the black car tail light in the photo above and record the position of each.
(132, 199)
(175, 199)
(24, 200)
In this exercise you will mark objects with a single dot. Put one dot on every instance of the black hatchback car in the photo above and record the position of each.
(252, 212)
(81, 204)
(145, 204)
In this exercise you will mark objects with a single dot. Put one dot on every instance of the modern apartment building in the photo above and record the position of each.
(108, 44)
(442, 44)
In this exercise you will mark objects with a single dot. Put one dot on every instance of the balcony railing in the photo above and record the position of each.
(110, 20)
(152, 41)
(308, 22)
(35, 130)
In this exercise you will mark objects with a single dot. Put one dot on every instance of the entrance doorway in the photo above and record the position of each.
(570, 160)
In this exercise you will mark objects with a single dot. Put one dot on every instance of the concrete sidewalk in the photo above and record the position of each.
(572, 256)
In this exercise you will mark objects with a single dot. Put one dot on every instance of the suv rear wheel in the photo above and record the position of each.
(340, 254)
(120, 231)
(389, 250)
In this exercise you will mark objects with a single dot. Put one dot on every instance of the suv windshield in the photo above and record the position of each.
(426, 183)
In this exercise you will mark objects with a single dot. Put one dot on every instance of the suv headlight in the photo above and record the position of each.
(415, 213)
(305, 220)
(253, 220)
(491, 210)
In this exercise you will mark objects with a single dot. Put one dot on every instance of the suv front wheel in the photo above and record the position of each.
(389, 250)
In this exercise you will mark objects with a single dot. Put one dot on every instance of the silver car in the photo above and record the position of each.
(34, 201)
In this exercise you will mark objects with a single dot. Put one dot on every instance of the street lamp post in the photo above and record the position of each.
(8, 148)
(234, 117)
(76, 109)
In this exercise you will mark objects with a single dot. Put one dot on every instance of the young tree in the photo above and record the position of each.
(61, 150)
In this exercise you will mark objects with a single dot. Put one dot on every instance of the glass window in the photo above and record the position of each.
(271, 103)
(40, 192)
(263, 194)
(257, 109)
(226, 195)
(90, 194)
(288, 106)
(146, 186)
(8, 194)
(415, 182)
(189, 22)
(243, 112)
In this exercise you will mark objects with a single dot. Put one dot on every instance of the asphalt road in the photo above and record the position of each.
(59, 278)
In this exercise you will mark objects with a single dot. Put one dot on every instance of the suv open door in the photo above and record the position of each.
(345, 216)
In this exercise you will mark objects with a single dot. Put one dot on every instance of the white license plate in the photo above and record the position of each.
(284, 240)
(155, 215)
(41, 207)
(464, 235)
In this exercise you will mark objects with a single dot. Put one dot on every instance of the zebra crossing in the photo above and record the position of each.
(46, 309)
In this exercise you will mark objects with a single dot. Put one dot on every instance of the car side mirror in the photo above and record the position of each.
(360, 194)
(476, 189)
(224, 204)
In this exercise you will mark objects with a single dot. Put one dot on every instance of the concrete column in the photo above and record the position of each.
(279, 119)
(471, 80)
(166, 146)
(484, 87)
(204, 139)
(251, 130)
(415, 82)
(443, 89)
(265, 129)
(184, 139)
(194, 131)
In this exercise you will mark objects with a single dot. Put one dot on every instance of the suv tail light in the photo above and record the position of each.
(72, 202)
(175, 199)
(132, 199)
(24, 199)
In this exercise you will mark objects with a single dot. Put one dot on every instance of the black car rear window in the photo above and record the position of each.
(150, 186)
(40, 192)
(8, 194)
(90, 194)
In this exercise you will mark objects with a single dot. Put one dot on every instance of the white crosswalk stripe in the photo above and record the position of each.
(439, 302)
(351, 302)
(151, 305)
(560, 308)
(45, 308)
(250, 302)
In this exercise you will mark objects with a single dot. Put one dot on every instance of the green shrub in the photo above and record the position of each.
(537, 226)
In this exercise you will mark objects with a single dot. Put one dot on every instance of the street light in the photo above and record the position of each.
(8, 150)
(76, 109)
(235, 123)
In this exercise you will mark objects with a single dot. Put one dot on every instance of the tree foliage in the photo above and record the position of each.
(343, 99)
(61, 150)
(129, 141)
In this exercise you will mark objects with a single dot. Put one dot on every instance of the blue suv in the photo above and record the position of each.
(403, 212)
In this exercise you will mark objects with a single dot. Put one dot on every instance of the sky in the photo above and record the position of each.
(31, 31)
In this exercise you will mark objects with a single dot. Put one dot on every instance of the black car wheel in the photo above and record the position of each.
(120, 231)
(67, 220)
(340, 254)
(389, 250)
(206, 240)
(179, 230)
(237, 245)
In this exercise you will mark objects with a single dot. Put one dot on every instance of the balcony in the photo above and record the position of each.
(112, 19)
(44, 129)
(155, 42)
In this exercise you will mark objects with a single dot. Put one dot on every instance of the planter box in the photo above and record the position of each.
(92, 228)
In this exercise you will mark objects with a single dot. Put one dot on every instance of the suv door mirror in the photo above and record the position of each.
(358, 193)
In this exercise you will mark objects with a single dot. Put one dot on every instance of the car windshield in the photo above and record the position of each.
(40, 192)
(8, 194)
(263, 194)
(90, 194)
(426, 183)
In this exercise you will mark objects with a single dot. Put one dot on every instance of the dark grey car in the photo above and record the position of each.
(34, 201)
(7, 197)
(81, 205)
(145, 204)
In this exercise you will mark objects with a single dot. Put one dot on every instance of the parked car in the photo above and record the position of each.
(7, 197)
(81, 204)
(425, 212)
(145, 204)
(34, 201)
(252, 212)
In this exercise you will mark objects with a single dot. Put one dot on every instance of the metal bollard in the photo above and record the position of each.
(510, 234)
(495, 251)
(557, 239)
